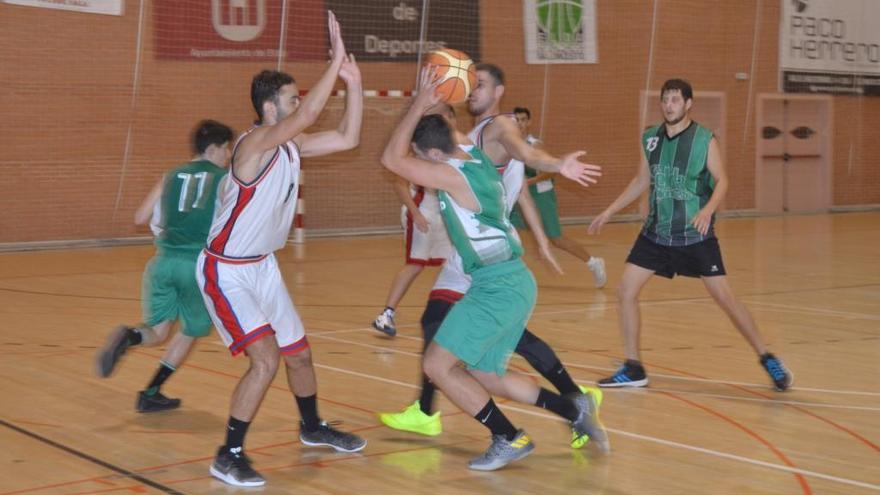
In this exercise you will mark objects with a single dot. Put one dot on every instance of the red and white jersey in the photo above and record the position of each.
(425, 198)
(513, 172)
(253, 220)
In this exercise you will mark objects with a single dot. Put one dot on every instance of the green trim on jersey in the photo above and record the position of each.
(680, 184)
(484, 237)
(187, 206)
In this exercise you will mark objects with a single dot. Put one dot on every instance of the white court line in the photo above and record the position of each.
(647, 438)
(601, 368)
(821, 311)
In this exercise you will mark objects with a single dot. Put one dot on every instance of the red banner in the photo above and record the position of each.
(240, 29)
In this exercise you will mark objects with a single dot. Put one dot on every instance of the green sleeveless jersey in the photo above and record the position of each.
(680, 184)
(186, 207)
(484, 237)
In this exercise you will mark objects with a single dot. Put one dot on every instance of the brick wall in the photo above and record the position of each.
(66, 108)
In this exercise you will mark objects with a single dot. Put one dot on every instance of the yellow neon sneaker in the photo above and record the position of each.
(412, 419)
(578, 441)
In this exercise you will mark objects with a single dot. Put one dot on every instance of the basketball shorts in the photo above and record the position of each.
(425, 248)
(702, 259)
(485, 326)
(249, 301)
(169, 292)
(548, 209)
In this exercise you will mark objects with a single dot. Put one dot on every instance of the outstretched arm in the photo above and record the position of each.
(633, 190)
(568, 166)
(348, 134)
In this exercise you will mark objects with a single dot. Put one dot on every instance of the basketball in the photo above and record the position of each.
(458, 75)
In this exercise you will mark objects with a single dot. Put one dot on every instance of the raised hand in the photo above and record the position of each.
(337, 46)
(582, 173)
(350, 72)
(427, 95)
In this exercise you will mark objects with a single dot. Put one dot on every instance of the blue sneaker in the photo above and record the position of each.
(628, 375)
(781, 376)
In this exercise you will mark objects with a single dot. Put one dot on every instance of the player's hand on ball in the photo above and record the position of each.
(582, 173)
(427, 95)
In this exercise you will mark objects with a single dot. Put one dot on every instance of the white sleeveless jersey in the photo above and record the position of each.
(253, 220)
(513, 173)
(425, 198)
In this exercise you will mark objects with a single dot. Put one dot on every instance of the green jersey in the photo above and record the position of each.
(186, 207)
(680, 184)
(483, 237)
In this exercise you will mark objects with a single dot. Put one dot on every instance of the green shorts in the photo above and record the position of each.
(547, 208)
(484, 327)
(170, 292)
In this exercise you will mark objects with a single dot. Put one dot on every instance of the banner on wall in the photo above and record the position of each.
(240, 29)
(108, 7)
(560, 31)
(389, 30)
(830, 46)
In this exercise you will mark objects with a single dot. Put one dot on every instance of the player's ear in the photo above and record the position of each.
(499, 91)
(687, 104)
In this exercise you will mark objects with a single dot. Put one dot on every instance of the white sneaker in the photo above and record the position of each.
(597, 266)
(385, 323)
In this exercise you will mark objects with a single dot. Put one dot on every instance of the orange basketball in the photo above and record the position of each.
(458, 74)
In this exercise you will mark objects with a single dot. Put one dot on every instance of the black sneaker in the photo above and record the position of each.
(115, 347)
(781, 376)
(235, 468)
(627, 376)
(155, 403)
(328, 436)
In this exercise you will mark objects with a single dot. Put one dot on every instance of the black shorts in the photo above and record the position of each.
(702, 259)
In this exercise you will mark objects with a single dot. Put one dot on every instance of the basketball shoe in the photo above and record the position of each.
(328, 436)
(155, 403)
(578, 440)
(781, 376)
(385, 322)
(597, 266)
(503, 451)
(631, 374)
(235, 468)
(413, 419)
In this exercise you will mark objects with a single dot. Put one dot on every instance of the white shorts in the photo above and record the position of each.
(425, 248)
(248, 301)
(452, 282)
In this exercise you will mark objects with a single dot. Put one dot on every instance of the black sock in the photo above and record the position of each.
(134, 336)
(235, 432)
(308, 411)
(560, 379)
(557, 404)
(426, 400)
(634, 363)
(162, 374)
(496, 421)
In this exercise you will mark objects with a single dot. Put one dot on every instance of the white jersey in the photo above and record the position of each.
(253, 220)
(452, 278)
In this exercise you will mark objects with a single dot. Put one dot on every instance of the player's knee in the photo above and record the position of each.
(302, 359)
(265, 365)
(538, 354)
(434, 367)
(627, 292)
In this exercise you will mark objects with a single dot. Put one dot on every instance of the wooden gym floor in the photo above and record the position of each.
(709, 422)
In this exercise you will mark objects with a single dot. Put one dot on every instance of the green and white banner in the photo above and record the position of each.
(560, 31)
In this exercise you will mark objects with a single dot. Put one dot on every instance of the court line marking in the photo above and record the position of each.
(648, 438)
(94, 460)
(326, 335)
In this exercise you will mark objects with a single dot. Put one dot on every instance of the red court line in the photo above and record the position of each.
(133, 488)
(797, 408)
(805, 487)
(840, 427)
